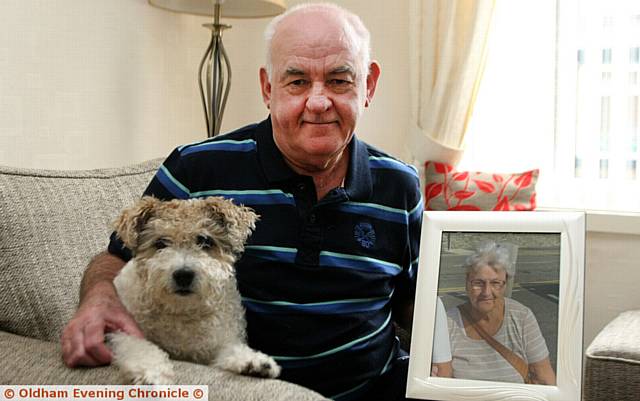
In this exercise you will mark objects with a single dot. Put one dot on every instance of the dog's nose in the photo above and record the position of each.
(183, 277)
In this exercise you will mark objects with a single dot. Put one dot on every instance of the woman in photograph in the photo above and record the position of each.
(494, 337)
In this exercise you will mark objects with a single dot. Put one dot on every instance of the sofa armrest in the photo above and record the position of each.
(612, 368)
(31, 361)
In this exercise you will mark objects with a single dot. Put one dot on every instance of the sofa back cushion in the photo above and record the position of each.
(51, 224)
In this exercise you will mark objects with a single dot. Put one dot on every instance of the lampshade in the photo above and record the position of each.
(229, 8)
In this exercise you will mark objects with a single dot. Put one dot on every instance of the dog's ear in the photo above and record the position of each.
(131, 221)
(237, 221)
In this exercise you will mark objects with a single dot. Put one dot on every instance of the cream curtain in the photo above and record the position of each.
(448, 49)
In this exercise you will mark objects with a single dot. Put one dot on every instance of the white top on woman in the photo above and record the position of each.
(476, 359)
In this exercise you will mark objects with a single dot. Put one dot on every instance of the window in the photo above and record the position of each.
(561, 93)
(597, 99)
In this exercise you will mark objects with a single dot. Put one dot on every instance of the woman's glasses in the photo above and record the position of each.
(480, 284)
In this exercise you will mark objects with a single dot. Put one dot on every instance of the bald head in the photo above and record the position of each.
(299, 20)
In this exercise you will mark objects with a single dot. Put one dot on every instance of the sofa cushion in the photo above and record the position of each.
(618, 341)
(31, 361)
(51, 224)
(612, 370)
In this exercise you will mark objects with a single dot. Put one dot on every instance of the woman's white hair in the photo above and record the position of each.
(491, 254)
(356, 32)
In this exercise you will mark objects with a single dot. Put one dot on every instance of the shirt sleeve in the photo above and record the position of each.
(168, 183)
(441, 345)
(171, 181)
(407, 280)
(535, 345)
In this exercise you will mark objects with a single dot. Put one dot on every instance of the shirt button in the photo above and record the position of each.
(300, 187)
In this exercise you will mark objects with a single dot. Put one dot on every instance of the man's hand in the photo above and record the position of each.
(100, 312)
(83, 338)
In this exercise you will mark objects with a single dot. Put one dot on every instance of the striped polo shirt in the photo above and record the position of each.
(318, 277)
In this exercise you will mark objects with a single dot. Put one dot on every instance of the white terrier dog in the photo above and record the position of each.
(181, 289)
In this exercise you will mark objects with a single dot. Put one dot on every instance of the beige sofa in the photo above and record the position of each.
(51, 223)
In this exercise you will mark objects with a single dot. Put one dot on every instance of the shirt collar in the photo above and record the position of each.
(273, 164)
(358, 183)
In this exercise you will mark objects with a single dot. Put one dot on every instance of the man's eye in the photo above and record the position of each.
(298, 82)
(204, 241)
(161, 243)
(339, 82)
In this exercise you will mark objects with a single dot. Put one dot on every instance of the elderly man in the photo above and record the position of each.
(332, 260)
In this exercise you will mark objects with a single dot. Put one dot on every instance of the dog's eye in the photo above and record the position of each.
(204, 241)
(161, 243)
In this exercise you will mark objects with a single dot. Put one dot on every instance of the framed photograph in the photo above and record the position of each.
(499, 307)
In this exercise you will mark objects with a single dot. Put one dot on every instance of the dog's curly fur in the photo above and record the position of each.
(180, 287)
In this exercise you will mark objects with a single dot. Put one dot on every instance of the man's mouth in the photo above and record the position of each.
(319, 122)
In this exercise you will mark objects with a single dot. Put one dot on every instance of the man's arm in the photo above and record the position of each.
(403, 315)
(100, 311)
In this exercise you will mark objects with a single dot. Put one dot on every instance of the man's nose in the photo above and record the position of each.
(318, 102)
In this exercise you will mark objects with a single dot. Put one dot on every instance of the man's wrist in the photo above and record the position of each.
(102, 290)
(98, 278)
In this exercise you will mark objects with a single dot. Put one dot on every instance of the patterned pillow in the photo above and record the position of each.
(448, 189)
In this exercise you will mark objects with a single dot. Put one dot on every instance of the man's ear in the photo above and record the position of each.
(132, 220)
(372, 81)
(265, 87)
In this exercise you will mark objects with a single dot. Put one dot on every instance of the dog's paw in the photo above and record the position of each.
(138, 373)
(140, 361)
(261, 366)
(151, 377)
(243, 360)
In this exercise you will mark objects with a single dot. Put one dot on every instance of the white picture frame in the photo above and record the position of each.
(570, 226)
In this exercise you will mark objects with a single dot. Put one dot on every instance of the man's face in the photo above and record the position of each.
(317, 90)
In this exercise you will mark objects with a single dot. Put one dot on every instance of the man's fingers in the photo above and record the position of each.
(125, 323)
(68, 353)
(73, 351)
(83, 340)
(94, 344)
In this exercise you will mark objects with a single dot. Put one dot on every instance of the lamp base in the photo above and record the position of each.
(216, 78)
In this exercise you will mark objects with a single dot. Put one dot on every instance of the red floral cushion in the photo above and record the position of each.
(448, 189)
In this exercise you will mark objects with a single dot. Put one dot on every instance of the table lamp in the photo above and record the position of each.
(215, 80)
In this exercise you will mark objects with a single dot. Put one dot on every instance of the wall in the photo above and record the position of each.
(612, 278)
(92, 83)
